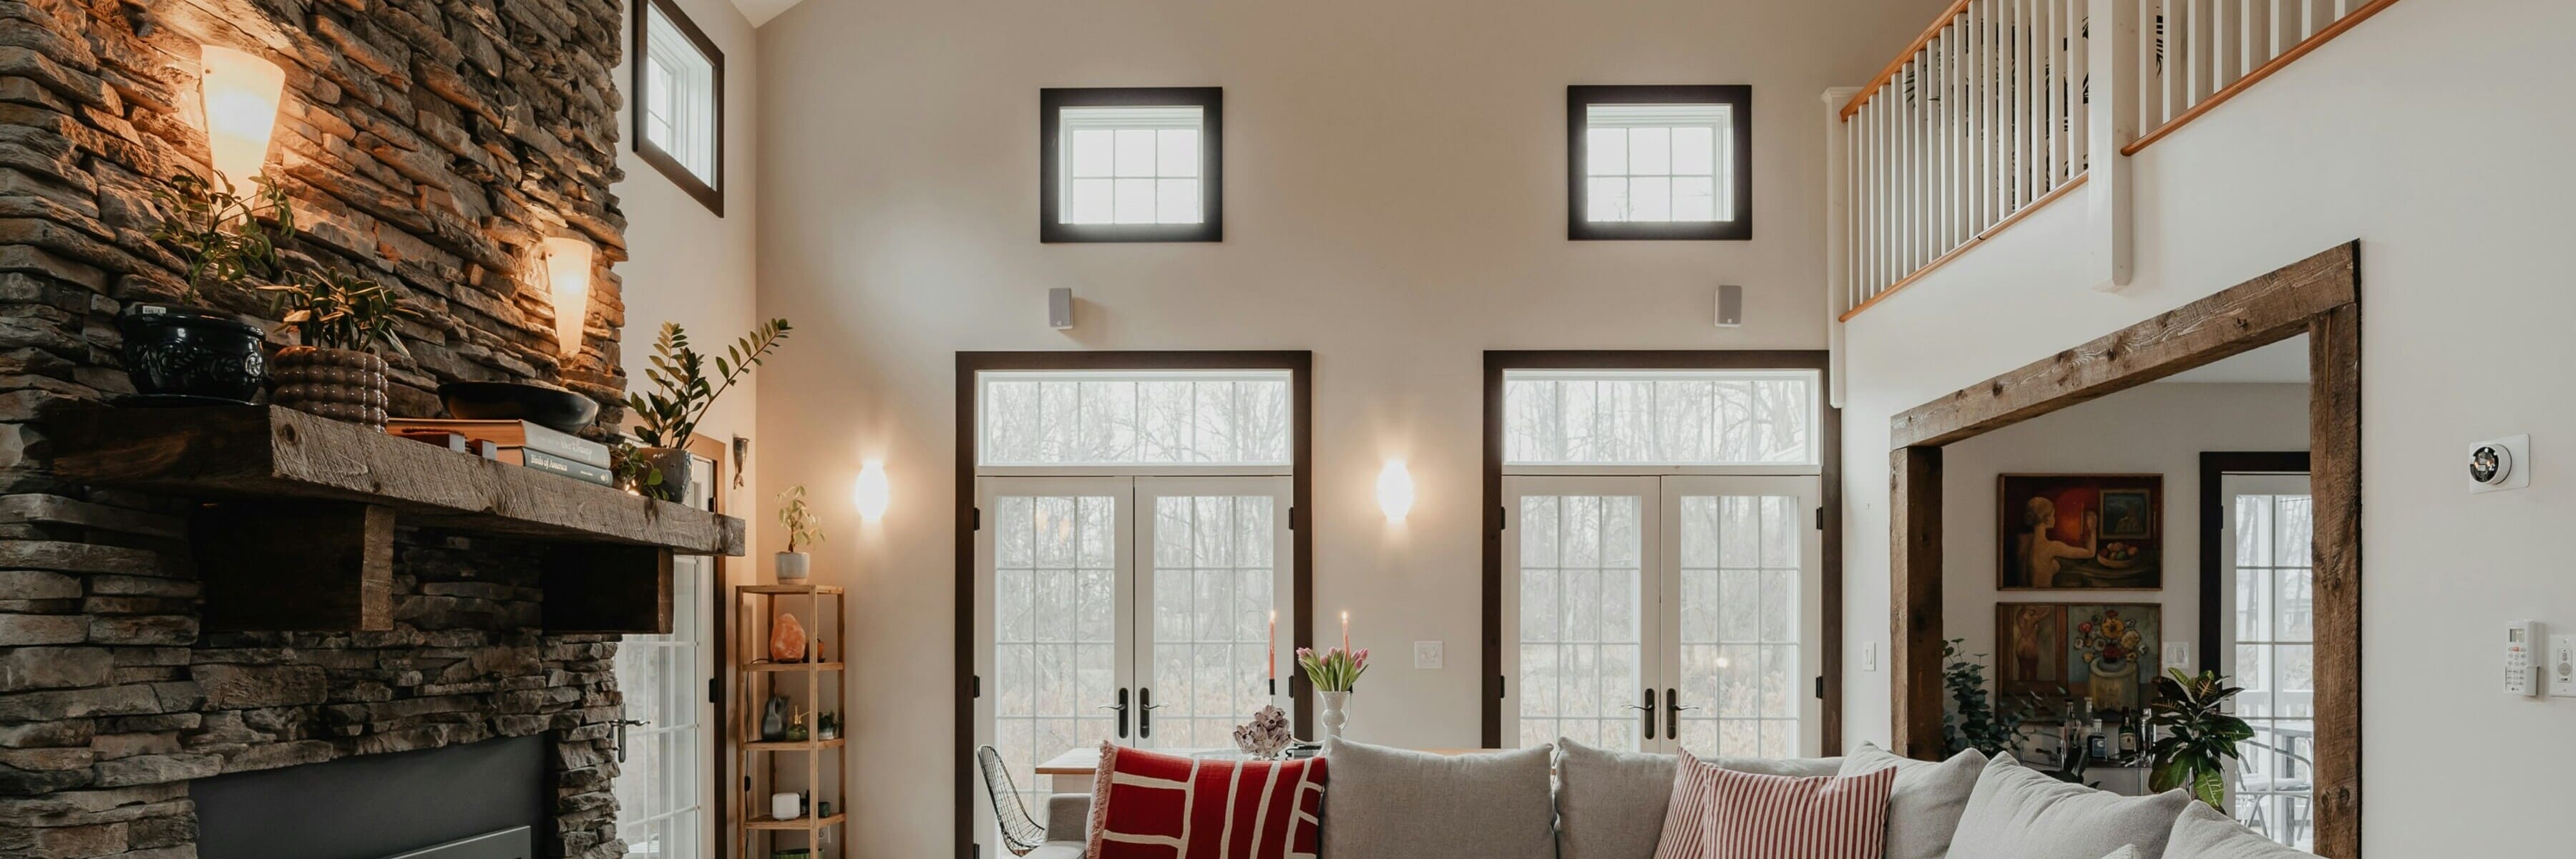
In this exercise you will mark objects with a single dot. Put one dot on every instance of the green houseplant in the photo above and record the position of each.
(682, 392)
(2199, 737)
(804, 528)
(1974, 720)
(341, 320)
(226, 239)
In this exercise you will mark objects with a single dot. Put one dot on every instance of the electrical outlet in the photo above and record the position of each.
(1426, 654)
(1869, 656)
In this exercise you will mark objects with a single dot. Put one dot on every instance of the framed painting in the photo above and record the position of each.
(2080, 531)
(2058, 654)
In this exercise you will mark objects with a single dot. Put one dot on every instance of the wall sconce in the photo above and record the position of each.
(241, 92)
(568, 271)
(872, 493)
(1394, 490)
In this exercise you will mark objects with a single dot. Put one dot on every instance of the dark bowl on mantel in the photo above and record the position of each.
(553, 408)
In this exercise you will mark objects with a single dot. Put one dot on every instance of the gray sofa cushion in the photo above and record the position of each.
(1610, 805)
(1058, 850)
(2017, 813)
(2203, 833)
(1384, 803)
(1923, 808)
(1068, 817)
(2125, 852)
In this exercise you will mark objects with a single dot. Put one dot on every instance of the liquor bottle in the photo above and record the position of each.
(2129, 739)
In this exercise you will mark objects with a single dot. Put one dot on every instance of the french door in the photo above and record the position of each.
(662, 790)
(1656, 613)
(1136, 610)
(2268, 607)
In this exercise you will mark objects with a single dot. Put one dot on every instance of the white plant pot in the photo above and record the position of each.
(792, 566)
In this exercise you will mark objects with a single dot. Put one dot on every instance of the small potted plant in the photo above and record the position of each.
(342, 320)
(226, 239)
(804, 529)
(2199, 736)
(668, 415)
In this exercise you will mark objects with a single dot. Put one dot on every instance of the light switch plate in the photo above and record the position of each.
(1869, 656)
(2561, 667)
(2178, 655)
(1426, 654)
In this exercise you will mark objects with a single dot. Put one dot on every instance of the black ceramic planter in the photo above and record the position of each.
(175, 350)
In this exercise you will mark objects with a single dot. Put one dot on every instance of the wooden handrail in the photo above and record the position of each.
(2311, 43)
(1884, 75)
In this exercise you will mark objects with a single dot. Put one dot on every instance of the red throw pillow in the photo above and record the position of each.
(1151, 806)
(1723, 814)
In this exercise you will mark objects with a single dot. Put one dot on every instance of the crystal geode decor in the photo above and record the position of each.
(1267, 737)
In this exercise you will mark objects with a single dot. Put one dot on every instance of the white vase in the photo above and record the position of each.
(1335, 705)
(792, 566)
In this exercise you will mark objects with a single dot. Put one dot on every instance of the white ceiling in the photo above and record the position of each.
(2286, 361)
(760, 11)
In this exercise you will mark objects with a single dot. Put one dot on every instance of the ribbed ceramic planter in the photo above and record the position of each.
(340, 384)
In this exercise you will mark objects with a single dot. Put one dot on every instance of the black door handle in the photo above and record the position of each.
(1673, 714)
(1649, 710)
(1145, 708)
(1121, 707)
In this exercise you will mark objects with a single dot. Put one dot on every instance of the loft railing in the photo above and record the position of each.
(2003, 107)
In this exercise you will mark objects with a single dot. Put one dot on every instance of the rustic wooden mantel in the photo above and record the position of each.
(296, 529)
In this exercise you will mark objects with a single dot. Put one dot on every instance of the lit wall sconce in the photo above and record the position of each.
(1394, 490)
(872, 493)
(241, 93)
(568, 271)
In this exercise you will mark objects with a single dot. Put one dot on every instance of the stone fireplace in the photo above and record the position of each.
(432, 145)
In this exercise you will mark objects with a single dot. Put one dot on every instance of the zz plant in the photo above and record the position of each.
(336, 309)
(667, 415)
(2199, 736)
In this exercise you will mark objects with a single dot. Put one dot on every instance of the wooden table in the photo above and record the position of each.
(1073, 771)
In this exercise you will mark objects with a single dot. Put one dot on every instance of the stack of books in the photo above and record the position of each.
(523, 443)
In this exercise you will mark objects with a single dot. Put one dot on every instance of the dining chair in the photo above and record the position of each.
(1021, 833)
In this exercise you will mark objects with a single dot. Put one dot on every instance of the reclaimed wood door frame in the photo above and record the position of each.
(2320, 297)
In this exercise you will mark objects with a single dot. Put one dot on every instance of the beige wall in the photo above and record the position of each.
(2414, 133)
(2152, 429)
(1395, 202)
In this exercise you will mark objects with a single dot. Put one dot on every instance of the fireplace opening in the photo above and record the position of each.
(464, 800)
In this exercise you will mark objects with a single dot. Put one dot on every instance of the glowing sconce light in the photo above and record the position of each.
(1394, 490)
(872, 493)
(568, 270)
(241, 93)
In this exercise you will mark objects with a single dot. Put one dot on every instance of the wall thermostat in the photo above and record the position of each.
(2500, 464)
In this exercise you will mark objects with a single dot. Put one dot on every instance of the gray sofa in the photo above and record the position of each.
(1571, 801)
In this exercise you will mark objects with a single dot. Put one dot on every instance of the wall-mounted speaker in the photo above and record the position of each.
(1060, 308)
(1730, 306)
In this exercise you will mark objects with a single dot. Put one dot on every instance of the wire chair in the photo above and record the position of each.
(1021, 833)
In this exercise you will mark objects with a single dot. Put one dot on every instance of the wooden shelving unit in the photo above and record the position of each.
(295, 526)
(819, 683)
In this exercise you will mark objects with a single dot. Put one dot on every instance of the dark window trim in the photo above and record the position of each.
(1052, 101)
(1738, 97)
(2214, 468)
(1829, 435)
(709, 194)
(1301, 520)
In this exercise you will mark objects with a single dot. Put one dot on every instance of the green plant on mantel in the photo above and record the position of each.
(2199, 736)
(226, 237)
(668, 415)
(336, 309)
(804, 528)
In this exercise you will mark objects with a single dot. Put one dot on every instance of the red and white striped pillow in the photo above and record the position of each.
(1723, 814)
(1154, 806)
